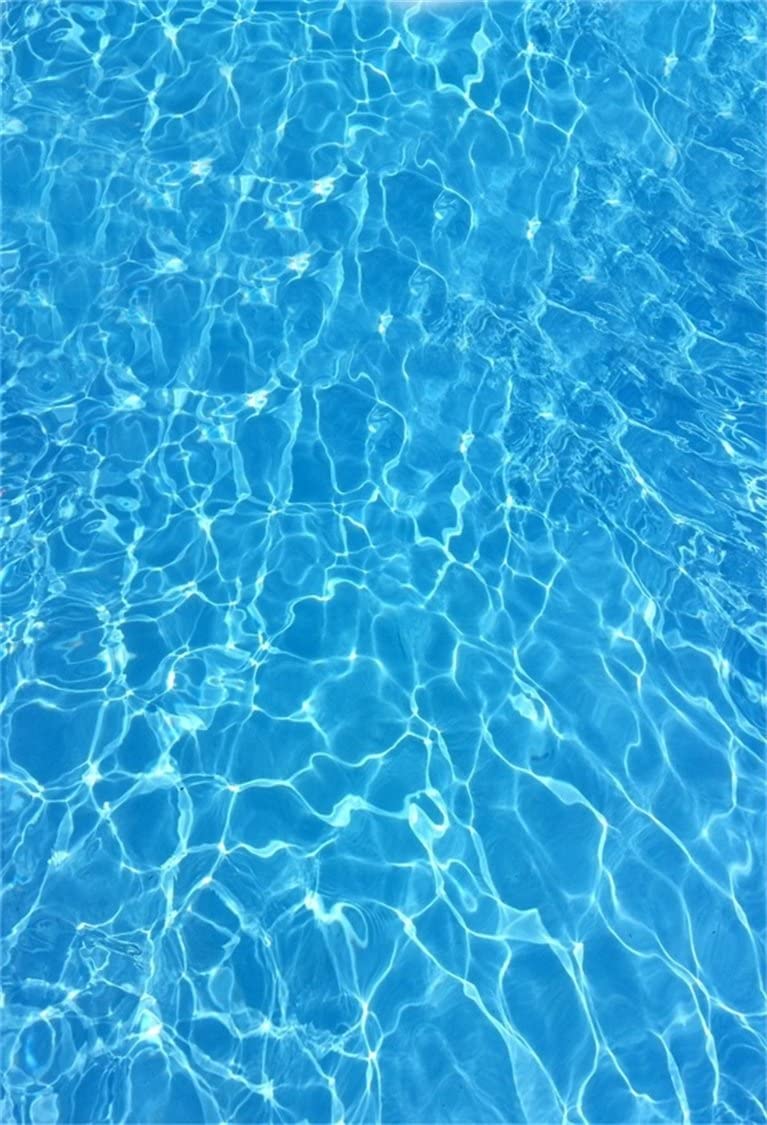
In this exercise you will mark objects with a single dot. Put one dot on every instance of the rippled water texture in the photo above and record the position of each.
(383, 439)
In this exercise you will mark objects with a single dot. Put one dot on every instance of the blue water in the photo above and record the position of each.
(383, 618)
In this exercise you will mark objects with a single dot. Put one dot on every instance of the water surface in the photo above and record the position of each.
(383, 611)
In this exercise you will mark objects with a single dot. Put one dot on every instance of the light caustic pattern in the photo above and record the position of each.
(383, 507)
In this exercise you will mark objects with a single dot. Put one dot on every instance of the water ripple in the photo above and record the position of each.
(383, 607)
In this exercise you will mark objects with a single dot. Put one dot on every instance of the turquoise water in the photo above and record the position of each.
(383, 620)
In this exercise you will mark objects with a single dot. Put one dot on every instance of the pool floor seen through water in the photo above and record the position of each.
(383, 444)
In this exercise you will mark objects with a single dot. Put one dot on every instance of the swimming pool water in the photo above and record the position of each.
(383, 619)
